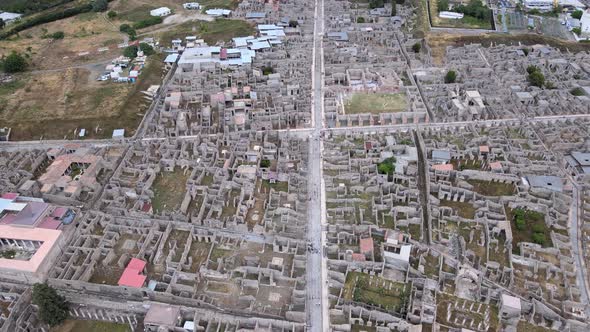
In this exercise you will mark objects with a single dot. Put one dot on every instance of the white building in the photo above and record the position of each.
(162, 11)
(542, 5)
(585, 21)
(450, 15)
(216, 12)
(191, 5)
(9, 17)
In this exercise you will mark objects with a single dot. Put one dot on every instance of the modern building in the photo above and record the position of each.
(162, 316)
(9, 17)
(160, 12)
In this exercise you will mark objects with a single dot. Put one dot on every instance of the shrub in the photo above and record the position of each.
(147, 22)
(416, 47)
(536, 79)
(450, 77)
(293, 23)
(267, 70)
(14, 63)
(442, 5)
(112, 14)
(577, 14)
(53, 308)
(531, 69)
(360, 19)
(577, 31)
(577, 91)
(539, 238)
(265, 163)
(58, 35)
(147, 49)
(2, 24)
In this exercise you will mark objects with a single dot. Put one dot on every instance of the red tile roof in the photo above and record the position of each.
(10, 195)
(49, 223)
(358, 257)
(442, 167)
(132, 276)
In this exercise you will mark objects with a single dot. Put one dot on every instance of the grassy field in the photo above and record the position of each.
(211, 32)
(524, 326)
(71, 325)
(464, 210)
(169, 189)
(53, 104)
(375, 103)
(467, 22)
(534, 222)
(382, 292)
(489, 188)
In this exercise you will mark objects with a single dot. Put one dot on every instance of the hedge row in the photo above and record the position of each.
(45, 17)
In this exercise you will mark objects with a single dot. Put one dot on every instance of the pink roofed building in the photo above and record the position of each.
(443, 167)
(132, 275)
(366, 246)
(496, 166)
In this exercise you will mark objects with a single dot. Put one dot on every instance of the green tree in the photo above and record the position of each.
(577, 14)
(360, 19)
(536, 79)
(112, 14)
(293, 23)
(125, 28)
(130, 51)
(99, 5)
(416, 47)
(265, 163)
(53, 308)
(14, 63)
(147, 49)
(58, 35)
(442, 5)
(577, 31)
(450, 77)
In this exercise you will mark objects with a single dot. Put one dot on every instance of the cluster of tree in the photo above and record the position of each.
(131, 51)
(535, 76)
(442, 5)
(538, 227)
(126, 28)
(147, 22)
(53, 308)
(43, 18)
(30, 6)
(475, 8)
(99, 5)
(376, 4)
(13, 63)
(450, 77)
(387, 166)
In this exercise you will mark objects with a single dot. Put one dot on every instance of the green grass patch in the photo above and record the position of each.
(136, 14)
(226, 4)
(277, 186)
(211, 32)
(375, 291)
(375, 103)
(492, 188)
(464, 209)
(169, 189)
